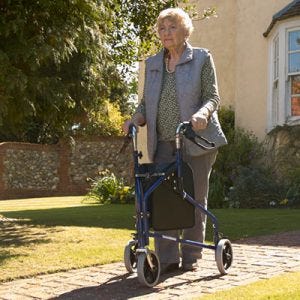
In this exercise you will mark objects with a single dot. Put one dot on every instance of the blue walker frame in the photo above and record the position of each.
(221, 246)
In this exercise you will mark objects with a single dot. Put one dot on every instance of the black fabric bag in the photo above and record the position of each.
(168, 210)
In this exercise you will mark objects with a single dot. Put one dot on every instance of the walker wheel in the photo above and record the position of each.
(148, 268)
(130, 258)
(224, 255)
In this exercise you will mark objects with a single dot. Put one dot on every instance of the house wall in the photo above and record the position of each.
(218, 35)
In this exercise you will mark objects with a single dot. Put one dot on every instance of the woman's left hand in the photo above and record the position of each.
(199, 121)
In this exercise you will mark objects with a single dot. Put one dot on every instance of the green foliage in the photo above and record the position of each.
(254, 187)
(107, 188)
(293, 190)
(286, 164)
(107, 122)
(242, 150)
(60, 60)
(55, 67)
(289, 178)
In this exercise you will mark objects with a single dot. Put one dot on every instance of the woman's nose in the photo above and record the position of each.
(167, 31)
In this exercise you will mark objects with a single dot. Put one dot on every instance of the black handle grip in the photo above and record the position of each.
(199, 140)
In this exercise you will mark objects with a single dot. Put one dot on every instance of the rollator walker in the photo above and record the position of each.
(164, 200)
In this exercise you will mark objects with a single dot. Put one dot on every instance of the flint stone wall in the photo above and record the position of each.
(32, 170)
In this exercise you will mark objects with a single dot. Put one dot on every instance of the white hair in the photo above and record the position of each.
(179, 16)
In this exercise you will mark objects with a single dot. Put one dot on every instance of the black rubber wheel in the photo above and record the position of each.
(148, 268)
(224, 255)
(130, 257)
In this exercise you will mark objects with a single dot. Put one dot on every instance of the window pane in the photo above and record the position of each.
(294, 62)
(276, 58)
(295, 85)
(294, 40)
(295, 104)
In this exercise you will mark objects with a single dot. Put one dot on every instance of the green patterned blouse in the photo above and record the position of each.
(168, 115)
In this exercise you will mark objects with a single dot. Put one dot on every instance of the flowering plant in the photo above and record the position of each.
(107, 188)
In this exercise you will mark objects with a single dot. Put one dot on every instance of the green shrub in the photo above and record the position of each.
(226, 116)
(254, 187)
(284, 159)
(217, 190)
(258, 187)
(291, 183)
(107, 188)
(242, 150)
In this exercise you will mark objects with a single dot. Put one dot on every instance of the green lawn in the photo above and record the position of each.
(51, 234)
(284, 287)
(46, 235)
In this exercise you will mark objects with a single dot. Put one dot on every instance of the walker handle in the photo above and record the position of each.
(129, 136)
(189, 133)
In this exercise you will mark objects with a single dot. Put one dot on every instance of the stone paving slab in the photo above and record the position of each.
(254, 259)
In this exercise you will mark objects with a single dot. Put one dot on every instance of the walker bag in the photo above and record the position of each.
(168, 209)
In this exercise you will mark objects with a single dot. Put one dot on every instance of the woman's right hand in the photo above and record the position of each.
(137, 119)
(126, 125)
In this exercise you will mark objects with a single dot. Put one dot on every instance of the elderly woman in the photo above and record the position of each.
(180, 85)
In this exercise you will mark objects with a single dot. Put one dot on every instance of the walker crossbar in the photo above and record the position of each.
(182, 241)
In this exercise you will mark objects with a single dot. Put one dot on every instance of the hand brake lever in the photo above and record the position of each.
(190, 134)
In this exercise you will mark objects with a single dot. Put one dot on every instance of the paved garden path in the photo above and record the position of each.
(254, 259)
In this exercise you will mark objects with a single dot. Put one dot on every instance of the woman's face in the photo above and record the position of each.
(171, 34)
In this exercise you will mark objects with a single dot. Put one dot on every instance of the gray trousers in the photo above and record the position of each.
(167, 250)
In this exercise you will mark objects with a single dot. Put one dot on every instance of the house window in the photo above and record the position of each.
(284, 94)
(294, 72)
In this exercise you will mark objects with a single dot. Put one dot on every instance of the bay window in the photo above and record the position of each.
(284, 100)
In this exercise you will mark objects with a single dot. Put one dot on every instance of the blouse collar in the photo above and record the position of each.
(186, 56)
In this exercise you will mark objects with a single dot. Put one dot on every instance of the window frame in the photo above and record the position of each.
(279, 109)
